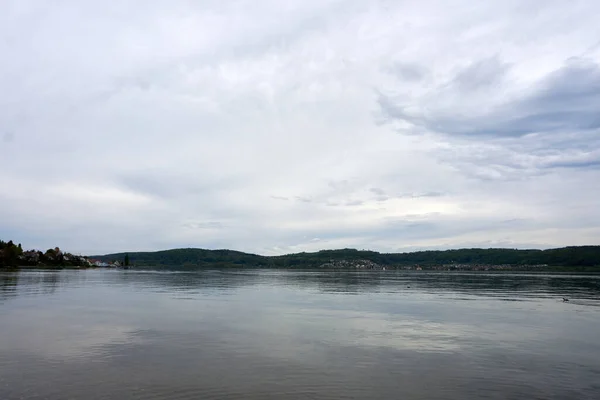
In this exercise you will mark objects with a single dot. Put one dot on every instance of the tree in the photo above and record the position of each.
(126, 260)
(11, 255)
(50, 254)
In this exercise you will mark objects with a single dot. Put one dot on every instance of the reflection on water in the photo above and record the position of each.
(298, 335)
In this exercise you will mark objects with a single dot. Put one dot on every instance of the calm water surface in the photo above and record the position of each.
(298, 335)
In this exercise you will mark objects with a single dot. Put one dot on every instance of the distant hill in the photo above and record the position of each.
(574, 256)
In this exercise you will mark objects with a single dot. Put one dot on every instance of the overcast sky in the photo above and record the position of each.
(282, 126)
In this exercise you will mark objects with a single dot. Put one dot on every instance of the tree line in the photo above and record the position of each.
(13, 255)
(573, 256)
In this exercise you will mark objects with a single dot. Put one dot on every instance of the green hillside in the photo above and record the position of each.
(580, 256)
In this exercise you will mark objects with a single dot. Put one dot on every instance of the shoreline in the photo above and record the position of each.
(175, 268)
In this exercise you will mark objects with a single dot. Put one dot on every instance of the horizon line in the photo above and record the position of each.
(347, 248)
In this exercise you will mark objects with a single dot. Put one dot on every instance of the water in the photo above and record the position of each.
(298, 335)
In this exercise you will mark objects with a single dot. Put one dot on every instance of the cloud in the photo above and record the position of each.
(481, 74)
(204, 225)
(257, 125)
(566, 99)
(407, 71)
(303, 199)
(8, 137)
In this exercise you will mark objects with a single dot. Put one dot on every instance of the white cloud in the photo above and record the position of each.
(258, 126)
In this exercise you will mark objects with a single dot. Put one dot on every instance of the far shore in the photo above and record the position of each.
(540, 270)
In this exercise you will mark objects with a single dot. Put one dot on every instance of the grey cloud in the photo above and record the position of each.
(567, 157)
(407, 71)
(303, 199)
(279, 39)
(568, 99)
(524, 158)
(481, 74)
(416, 195)
(380, 194)
(279, 197)
(574, 164)
(169, 185)
(204, 225)
(443, 227)
(377, 191)
(428, 194)
(164, 186)
(339, 185)
(418, 217)
(514, 221)
(352, 203)
(8, 137)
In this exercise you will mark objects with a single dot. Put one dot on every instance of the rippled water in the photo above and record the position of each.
(298, 335)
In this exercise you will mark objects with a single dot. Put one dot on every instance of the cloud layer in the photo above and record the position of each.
(273, 128)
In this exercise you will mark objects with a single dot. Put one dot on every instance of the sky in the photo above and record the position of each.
(274, 127)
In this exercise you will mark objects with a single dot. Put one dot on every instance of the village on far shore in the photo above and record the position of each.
(12, 255)
(104, 264)
(36, 258)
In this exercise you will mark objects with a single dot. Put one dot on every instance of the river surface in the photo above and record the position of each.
(101, 334)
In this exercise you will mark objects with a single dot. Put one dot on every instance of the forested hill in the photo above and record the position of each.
(580, 256)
